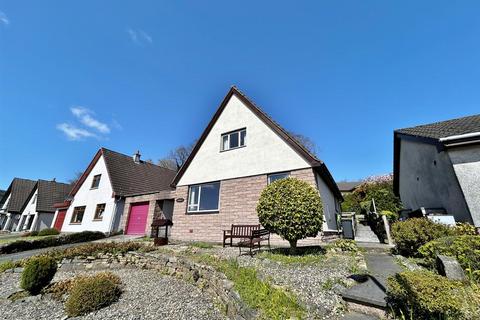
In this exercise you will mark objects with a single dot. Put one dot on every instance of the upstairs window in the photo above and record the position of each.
(277, 176)
(96, 181)
(77, 215)
(204, 197)
(99, 211)
(233, 140)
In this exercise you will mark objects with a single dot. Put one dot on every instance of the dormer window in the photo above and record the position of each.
(96, 181)
(233, 140)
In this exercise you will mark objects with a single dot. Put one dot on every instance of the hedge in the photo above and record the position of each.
(23, 245)
(425, 295)
(48, 232)
(466, 249)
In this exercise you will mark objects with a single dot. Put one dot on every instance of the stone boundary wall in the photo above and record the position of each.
(205, 277)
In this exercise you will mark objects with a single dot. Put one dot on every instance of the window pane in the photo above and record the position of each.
(225, 142)
(193, 197)
(209, 196)
(243, 135)
(277, 176)
(234, 140)
(96, 181)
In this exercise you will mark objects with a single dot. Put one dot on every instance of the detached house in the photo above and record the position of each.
(38, 211)
(97, 200)
(437, 168)
(240, 152)
(13, 202)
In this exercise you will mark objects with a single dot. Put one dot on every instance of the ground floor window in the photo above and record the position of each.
(77, 215)
(204, 197)
(277, 176)
(99, 212)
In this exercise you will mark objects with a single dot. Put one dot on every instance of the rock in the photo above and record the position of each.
(18, 270)
(449, 267)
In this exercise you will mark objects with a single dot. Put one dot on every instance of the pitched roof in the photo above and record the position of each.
(19, 190)
(49, 193)
(347, 186)
(444, 129)
(128, 177)
(291, 141)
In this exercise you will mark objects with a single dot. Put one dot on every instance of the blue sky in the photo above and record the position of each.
(148, 75)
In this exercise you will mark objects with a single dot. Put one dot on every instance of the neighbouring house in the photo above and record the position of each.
(346, 187)
(240, 152)
(13, 202)
(97, 200)
(2, 193)
(38, 211)
(437, 168)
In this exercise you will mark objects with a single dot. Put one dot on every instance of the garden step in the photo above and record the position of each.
(365, 234)
(373, 291)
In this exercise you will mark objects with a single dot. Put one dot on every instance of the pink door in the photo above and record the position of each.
(137, 220)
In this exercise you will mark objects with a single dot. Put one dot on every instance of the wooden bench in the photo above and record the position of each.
(239, 231)
(255, 240)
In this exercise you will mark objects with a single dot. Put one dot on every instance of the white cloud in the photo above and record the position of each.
(86, 117)
(139, 36)
(74, 133)
(4, 19)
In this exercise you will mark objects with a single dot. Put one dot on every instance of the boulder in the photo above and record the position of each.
(449, 267)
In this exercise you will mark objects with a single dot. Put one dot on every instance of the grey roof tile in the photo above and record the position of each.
(20, 190)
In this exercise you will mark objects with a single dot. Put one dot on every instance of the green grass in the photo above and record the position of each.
(13, 239)
(202, 245)
(270, 301)
(9, 265)
(303, 256)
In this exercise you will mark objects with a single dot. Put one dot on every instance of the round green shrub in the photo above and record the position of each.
(466, 249)
(425, 295)
(462, 228)
(48, 232)
(38, 273)
(411, 234)
(91, 293)
(292, 209)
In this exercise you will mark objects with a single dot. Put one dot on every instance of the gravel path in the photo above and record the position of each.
(317, 285)
(147, 295)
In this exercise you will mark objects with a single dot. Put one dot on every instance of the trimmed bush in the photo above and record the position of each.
(425, 295)
(48, 232)
(91, 293)
(38, 273)
(411, 234)
(461, 229)
(466, 249)
(292, 209)
(23, 245)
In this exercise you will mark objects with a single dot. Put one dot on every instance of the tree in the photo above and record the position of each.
(292, 209)
(305, 141)
(176, 157)
(76, 177)
(379, 188)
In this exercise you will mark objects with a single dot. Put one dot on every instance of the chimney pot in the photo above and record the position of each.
(136, 157)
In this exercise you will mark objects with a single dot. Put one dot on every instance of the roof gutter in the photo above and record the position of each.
(461, 136)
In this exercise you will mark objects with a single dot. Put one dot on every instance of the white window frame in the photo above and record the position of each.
(287, 173)
(199, 195)
(228, 134)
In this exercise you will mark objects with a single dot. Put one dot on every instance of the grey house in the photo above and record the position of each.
(13, 201)
(437, 168)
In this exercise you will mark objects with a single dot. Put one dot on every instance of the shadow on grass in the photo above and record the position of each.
(300, 251)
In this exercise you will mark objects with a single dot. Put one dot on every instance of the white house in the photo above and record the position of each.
(38, 211)
(239, 153)
(97, 200)
(13, 202)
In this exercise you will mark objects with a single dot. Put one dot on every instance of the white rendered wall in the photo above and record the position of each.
(88, 197)
(4, 207)
(30, 209)
(466, 163)
(265, 152)
(329, 205)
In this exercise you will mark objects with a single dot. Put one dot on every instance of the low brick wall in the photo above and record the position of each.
(205, 277)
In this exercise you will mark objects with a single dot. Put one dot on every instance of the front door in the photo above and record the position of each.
(60, 218)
